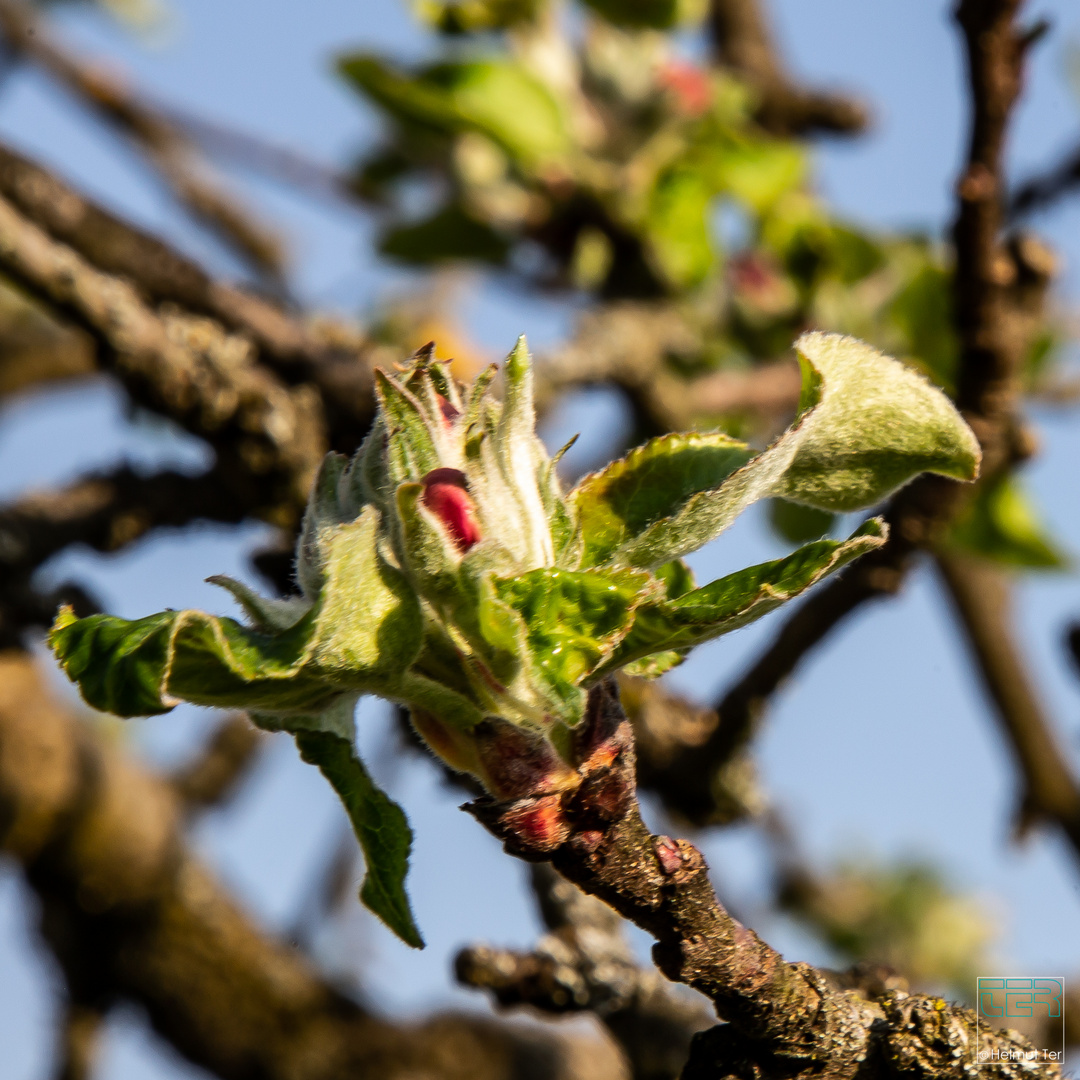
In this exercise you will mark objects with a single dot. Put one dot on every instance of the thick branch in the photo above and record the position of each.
(216, 773)
(743, 42)
(783, 1018)
(79, 1039)
(131, 914)
(108, 511)
(982, 598)
(327, 356)
(185, 368)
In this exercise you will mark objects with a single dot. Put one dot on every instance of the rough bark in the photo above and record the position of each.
(783, 1019)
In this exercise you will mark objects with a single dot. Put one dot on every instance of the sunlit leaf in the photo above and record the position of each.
(380, 826)
(737, 599)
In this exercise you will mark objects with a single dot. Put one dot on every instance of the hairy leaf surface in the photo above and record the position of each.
(380, 826)
(733, 601)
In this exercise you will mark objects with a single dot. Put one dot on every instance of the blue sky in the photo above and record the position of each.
(881, 744)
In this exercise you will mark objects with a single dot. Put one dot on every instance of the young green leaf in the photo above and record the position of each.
(380, 826)
(574, 620)
(867, 425)
(738, 599)
(650, 485)
(497, 98)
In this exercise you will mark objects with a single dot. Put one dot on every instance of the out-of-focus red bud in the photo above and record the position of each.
(751, 274)
(446, 495)
(688, 84)
(449, 413)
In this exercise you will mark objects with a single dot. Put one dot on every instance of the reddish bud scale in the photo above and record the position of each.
(668, 854)
(518, 763)
(537, 825)
(446, 496)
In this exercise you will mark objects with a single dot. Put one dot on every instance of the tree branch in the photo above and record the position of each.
(79, 1039)
(107, 511)
(585, 964)
(628, 345)
(742, 41)
(982, 599)
(216, 773)
(131, 914)
(989, 287)
(783, 1019)
(165, 147)
(328, 355)
(1040, 191)
(183, 367)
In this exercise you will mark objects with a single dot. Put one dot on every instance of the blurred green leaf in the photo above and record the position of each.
(1002, 524)
(471, 16)
(904, 916)
(638, 14)
(758, 172)
(677, 228)
(498, 98)
(922, 311)
(448, 234)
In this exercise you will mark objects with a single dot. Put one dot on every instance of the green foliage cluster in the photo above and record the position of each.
(586, 153)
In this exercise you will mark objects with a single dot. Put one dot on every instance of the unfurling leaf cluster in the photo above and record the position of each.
(445, 568)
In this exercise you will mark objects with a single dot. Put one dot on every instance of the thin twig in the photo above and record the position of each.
(165, 147)
(629, 345)
(585, 963)
(1043, 190)
(776, 1011)
(742, 42)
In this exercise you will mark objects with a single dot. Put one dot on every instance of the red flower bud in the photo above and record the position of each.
(689, 85)
(446, 496)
